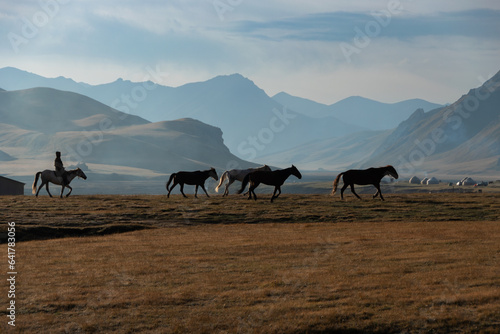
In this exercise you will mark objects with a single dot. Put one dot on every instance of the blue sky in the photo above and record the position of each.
(387, 50)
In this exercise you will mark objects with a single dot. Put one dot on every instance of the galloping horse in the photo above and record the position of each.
(50, 176)
(275, 178)
(192, 178)
(364, 177)
(237, 174)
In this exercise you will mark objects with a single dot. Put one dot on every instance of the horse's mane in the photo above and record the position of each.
(73, 170)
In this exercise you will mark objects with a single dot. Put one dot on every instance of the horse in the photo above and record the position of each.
(272, 178)
(237, 174)
(363, 177)
(50, 176)
(192, 178)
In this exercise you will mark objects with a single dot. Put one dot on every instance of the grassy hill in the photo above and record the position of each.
(34, 123)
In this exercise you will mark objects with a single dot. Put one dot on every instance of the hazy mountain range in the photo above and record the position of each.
(36, 122)
(228, 120)
(369, 114)
(253, 123)
(460, 139)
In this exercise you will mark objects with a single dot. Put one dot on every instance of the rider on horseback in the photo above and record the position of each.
(60, 171)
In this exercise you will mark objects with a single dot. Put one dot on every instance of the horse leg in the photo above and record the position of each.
(171, 188)
(47, 188)
(342, 191)
(352, 190)
(70, 190)
(39, 188)
(277, 188)
(246, 193)
(182, 189)
(62, 191)
(203, 187)
(251, 191)
(196, 191)
(226, 192)
(379, 192)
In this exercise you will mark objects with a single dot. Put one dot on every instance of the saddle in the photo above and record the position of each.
(60, 176)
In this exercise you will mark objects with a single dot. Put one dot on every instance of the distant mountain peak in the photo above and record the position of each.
(493, 82)
(234, 83)
(12, 69)
(358, 110)
(356, 97)
(235, 77)
(281, 93)
(122, 81)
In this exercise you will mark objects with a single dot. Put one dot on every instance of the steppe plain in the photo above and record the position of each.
(417, 262)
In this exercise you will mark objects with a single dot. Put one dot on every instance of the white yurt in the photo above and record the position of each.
(466, 181)
(414, 180)
(433, 180)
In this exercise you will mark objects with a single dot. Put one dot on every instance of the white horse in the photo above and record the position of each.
(50, 176)
(237, 174)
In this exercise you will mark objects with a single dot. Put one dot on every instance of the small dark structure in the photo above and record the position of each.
(11, 187)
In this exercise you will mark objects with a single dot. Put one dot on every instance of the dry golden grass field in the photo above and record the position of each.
(415, 263)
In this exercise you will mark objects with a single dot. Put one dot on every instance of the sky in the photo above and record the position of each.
(324, 50)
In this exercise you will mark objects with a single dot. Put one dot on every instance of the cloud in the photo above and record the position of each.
(158, 17)
(340, 26)
(289, 45)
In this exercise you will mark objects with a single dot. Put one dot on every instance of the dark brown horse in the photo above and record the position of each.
(364, 177)
(197, 178)
(275, 178)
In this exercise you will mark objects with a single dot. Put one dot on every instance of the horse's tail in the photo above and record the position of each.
(335, 183)
(33, 187)
(244, 183)
(221, 180)
(170, 180)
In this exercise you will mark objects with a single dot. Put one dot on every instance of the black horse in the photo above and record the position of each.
(364, 177)
(275, 178)
(192, 178)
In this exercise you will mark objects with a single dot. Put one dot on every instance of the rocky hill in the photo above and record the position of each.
(460, 139)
